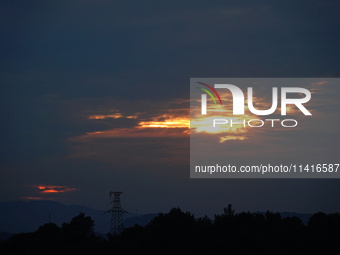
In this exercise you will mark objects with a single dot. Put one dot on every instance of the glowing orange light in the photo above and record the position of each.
(168, 122)
(54, 189)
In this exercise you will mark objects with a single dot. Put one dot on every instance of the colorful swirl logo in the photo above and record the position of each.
(209, 93)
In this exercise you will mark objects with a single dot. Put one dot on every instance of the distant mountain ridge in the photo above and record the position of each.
(19, 216)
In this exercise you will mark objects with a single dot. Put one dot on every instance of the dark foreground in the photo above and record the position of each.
(179, 232)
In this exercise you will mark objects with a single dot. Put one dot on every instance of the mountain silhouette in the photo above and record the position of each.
(19, 216)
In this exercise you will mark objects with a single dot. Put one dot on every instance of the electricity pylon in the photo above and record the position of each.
(117, 225)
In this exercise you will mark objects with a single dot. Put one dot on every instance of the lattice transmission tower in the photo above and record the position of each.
(116, 226)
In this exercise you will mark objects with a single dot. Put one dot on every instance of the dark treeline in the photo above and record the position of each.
(179, 232)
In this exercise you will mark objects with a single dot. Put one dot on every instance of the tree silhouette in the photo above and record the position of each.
(48, 230)
(80, 229)
(180, 232)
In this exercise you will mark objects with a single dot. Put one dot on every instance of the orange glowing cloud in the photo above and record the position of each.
(174, 121)
(203, 123)
(54, 189)
(167, 121)
(101, 117)
(114, 114)
(173, 124)
(148, 130)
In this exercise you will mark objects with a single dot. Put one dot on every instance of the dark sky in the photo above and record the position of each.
(79, 79)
